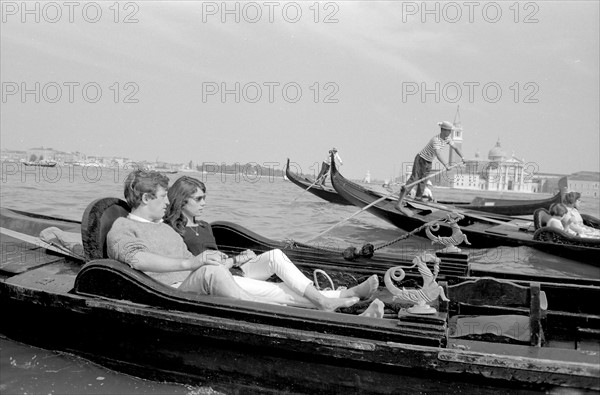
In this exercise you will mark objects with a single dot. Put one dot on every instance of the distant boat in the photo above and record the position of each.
(40, 164)
(309, 185)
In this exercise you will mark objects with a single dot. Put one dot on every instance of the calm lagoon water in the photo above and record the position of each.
(263, 204)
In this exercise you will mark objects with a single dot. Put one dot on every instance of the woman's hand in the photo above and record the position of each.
(244, 257)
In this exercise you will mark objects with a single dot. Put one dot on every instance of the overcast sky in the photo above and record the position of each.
(370, 78)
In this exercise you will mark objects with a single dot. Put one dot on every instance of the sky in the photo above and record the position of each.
(262, 82)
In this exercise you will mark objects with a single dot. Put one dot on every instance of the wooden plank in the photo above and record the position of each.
(18, 256)
(58, 277)
(542, 359)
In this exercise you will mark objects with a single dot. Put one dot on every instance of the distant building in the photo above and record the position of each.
(68, 157)
(13, 155)
(547, 182)
(498, 173)
(457, 139)
(585, 182)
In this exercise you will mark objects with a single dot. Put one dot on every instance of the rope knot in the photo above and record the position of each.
(351, 254)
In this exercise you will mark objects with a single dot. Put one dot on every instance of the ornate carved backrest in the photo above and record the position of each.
(495, 295)
(541, 216)
(96, 222)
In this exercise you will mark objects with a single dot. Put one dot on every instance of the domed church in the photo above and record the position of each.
(500, 172)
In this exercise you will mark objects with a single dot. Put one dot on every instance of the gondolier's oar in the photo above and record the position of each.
(412, 184)
(310, 186)
(38, 242)
(356, 213)
(469, 213)
(383, 198)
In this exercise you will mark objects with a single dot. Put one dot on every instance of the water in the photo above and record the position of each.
(263, 205)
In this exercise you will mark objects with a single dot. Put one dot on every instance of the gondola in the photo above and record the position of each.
(511, 207)
(40, 164)
(482, 230)
(107, 312)
(308, 185)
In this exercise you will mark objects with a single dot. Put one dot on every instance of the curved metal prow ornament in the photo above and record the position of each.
(428, 293)
(450, 242)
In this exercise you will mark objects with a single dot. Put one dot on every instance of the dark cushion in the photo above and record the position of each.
(541, 216)
(97, 220)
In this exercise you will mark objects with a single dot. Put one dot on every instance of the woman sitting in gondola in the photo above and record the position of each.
(573, 220)
(187, 197)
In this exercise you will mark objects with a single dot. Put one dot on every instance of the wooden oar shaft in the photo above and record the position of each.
(310, 186)
(356, 213)
(37, 242)
(412, 184)
(468, 213)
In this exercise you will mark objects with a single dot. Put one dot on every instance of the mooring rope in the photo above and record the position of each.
(368, 249)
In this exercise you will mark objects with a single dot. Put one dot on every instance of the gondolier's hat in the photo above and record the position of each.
(446, 125)
(334, 149)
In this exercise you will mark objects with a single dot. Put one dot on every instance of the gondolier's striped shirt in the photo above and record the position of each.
(436, 143)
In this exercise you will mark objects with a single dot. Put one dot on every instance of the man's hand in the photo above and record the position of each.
(210, 257)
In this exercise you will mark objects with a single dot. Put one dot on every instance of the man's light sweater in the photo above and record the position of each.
(127, 237)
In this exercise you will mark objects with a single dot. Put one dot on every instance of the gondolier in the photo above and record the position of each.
(327, 164)
(424, 159)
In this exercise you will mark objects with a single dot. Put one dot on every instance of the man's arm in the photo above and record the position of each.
(149, 262)
(124, 245)
(439, 156)
(457, 150)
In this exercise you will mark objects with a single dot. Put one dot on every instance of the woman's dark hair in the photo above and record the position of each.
(571, 197)
(139, 182)
(179, 194)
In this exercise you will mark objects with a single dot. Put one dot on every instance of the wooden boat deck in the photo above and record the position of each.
(56, 277)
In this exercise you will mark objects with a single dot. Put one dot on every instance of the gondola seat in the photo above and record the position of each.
(97, 220)
(541, 216)
(557, 236)
(495, 310)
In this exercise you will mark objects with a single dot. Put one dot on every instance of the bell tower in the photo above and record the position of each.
(457, 138)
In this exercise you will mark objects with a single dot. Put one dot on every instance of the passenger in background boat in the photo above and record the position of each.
(558, 212)
(423, 160)
(187, 197)
(573, 219)
(327, 164)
